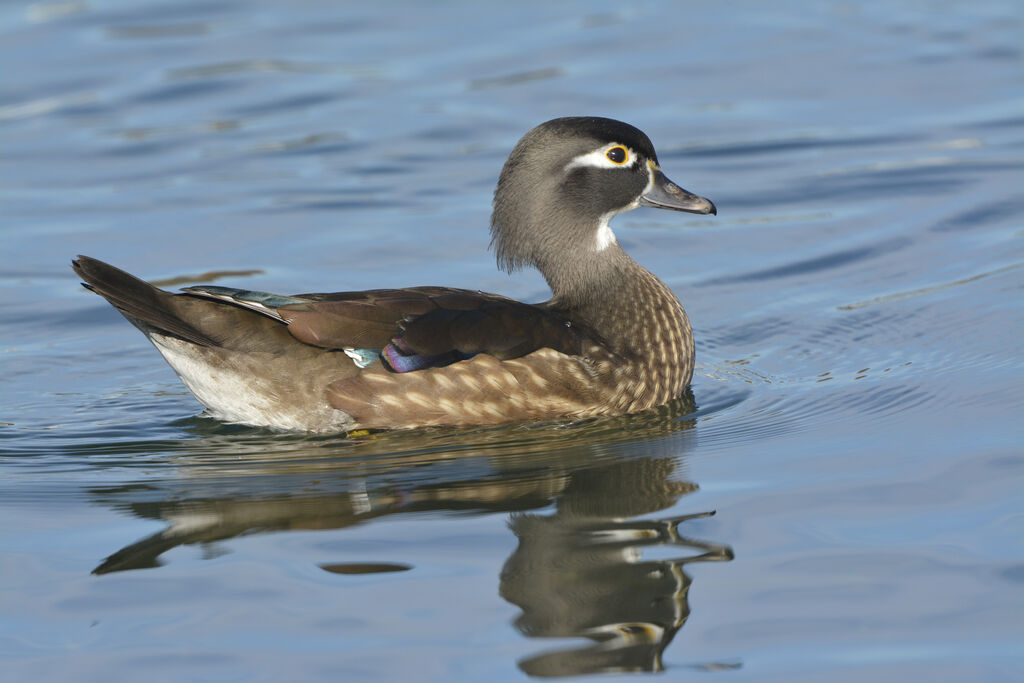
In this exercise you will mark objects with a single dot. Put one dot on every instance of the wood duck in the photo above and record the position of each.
(613, 338)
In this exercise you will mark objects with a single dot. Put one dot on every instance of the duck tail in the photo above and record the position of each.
(146, 306)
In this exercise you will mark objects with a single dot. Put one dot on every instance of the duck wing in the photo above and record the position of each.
(424, 327)
(416, 327)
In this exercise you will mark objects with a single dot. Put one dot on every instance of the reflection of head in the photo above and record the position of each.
(580, 572)
(623, 647)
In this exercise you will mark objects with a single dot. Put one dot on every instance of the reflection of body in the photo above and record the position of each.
(580, 572)
(574, 573)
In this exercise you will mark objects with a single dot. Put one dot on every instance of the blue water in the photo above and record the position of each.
(855, 420)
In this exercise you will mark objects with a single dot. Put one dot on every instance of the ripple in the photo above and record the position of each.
(812, 265)
(45, 105)
(984, 217)
(802, 374)
(793, 144)
(176, 92)
(927, 290)
(266, 66)
(42, 12)
(158, 31)
(515, 78)
(314, 143)
(279, 105)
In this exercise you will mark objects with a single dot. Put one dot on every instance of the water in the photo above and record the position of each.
(855, 418)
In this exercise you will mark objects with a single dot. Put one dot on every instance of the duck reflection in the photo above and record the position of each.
(579, 571)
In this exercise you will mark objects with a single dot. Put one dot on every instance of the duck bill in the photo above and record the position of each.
(664, 194)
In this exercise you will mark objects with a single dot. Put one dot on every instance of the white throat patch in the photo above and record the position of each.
(604, 237)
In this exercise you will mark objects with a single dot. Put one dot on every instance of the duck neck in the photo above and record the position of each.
(587, 283)
(593, 281)
(617, 298)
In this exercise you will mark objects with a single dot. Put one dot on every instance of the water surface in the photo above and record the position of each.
(854, 423)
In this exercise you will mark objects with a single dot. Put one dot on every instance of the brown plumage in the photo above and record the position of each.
(613, 339)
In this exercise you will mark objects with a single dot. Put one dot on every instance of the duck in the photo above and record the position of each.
(613, 339)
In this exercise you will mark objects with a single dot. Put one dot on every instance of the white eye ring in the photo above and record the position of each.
(599, 158)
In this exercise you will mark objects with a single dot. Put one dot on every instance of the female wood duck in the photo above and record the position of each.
(613, 339)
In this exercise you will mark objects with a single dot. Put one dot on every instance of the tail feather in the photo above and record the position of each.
(139, 301)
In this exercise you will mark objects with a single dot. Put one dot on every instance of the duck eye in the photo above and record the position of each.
(617, 155)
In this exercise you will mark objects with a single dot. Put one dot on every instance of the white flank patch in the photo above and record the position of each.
(234, 396)
(597, 158)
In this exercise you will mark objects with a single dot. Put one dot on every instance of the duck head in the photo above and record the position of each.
(562, 184)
